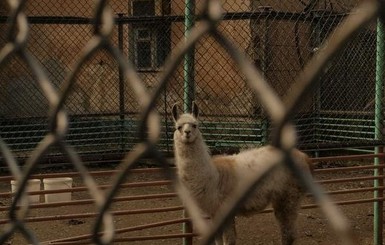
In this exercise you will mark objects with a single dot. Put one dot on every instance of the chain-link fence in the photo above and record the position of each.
(278, 37)
(69, 48)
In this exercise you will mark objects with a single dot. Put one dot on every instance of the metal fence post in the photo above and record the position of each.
(378, 206)
(188, 86)
(121, 85)
(264, 67)
(188, 69)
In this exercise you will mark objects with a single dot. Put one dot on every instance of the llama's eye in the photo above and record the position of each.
(179, 127)
(194, 126)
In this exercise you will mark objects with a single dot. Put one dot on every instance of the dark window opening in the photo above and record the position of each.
(151, 41)
(143, 8)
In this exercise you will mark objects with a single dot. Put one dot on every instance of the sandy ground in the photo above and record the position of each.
(261, 229)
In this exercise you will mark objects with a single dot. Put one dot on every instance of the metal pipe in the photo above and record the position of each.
(92, 201)
(123, 230)
(189, 85)
(264, 66)
(132, 239)
(331, 170)
(348, 157)
(349, 191)
(80, 189)
(339, 203)
(93, 173)
(332, 181)
(121, 86)
(378, 206)
(92, 215)
(189, 59)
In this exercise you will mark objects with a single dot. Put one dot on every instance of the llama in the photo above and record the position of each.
(212, 179)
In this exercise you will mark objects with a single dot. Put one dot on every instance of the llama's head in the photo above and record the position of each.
(186, 125)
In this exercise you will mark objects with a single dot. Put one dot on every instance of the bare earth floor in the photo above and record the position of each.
(260, 229)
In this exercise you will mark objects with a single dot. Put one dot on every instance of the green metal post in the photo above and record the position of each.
(188, 86)
(121, 87)
(189, 83)
(264, 65)
(378, 206)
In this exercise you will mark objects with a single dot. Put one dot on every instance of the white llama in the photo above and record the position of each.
(212, 179)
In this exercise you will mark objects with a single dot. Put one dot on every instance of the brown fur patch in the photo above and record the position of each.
(303, 158)
(224, 162)
(225, 166)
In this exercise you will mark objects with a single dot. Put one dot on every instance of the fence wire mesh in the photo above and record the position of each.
(279, 38)
(69, 90)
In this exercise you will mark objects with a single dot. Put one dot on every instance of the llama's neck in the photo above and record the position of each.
(194, 164)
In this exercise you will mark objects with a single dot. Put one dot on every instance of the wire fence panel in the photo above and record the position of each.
(97, 80)
(278, 38)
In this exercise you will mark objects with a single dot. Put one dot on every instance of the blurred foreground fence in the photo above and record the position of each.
(68, 91)
(278, 37)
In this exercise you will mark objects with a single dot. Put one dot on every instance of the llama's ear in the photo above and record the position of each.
(175, 112)
(195, 110)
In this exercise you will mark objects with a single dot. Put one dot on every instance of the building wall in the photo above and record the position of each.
(220, 86)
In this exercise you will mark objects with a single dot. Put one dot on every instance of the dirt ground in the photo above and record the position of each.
(261, 229)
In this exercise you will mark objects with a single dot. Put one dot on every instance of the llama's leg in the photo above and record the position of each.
(229, 235)
(218, 240)
(286, 211)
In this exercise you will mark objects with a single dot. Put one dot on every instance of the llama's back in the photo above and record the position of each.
(253, 161)
(250, 164)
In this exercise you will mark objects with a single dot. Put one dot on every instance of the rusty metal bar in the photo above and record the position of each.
(332, 181)
(80, 189)
(89, 215)
(124, 230)
(133, 239)
(348, 191)
(93, 173)
(338, 169)
(348, 157)
(340, 203)
(91, 201)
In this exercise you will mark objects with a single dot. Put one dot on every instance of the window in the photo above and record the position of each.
(150, 39)
(143, 8)
(144, 48)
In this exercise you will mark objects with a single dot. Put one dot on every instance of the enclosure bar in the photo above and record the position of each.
(378, 206)
(80, 189)
(244, 15)
(348, 191)
(121, 86)
(349, 157)
(160, 183)
(92, 201)
(189, 58)
(331, 170)
(93, 173)
(264, 66)
(156, 237)
(132, 239)
(358, 150)
(332, 181)
(123, 230)
(159, 170)
(316, 43)
(189, 85)
(339, 203)
(91, 215)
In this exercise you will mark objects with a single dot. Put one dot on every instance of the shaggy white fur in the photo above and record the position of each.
(212, 180)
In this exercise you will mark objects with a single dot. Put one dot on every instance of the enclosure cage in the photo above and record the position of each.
(279, 37)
